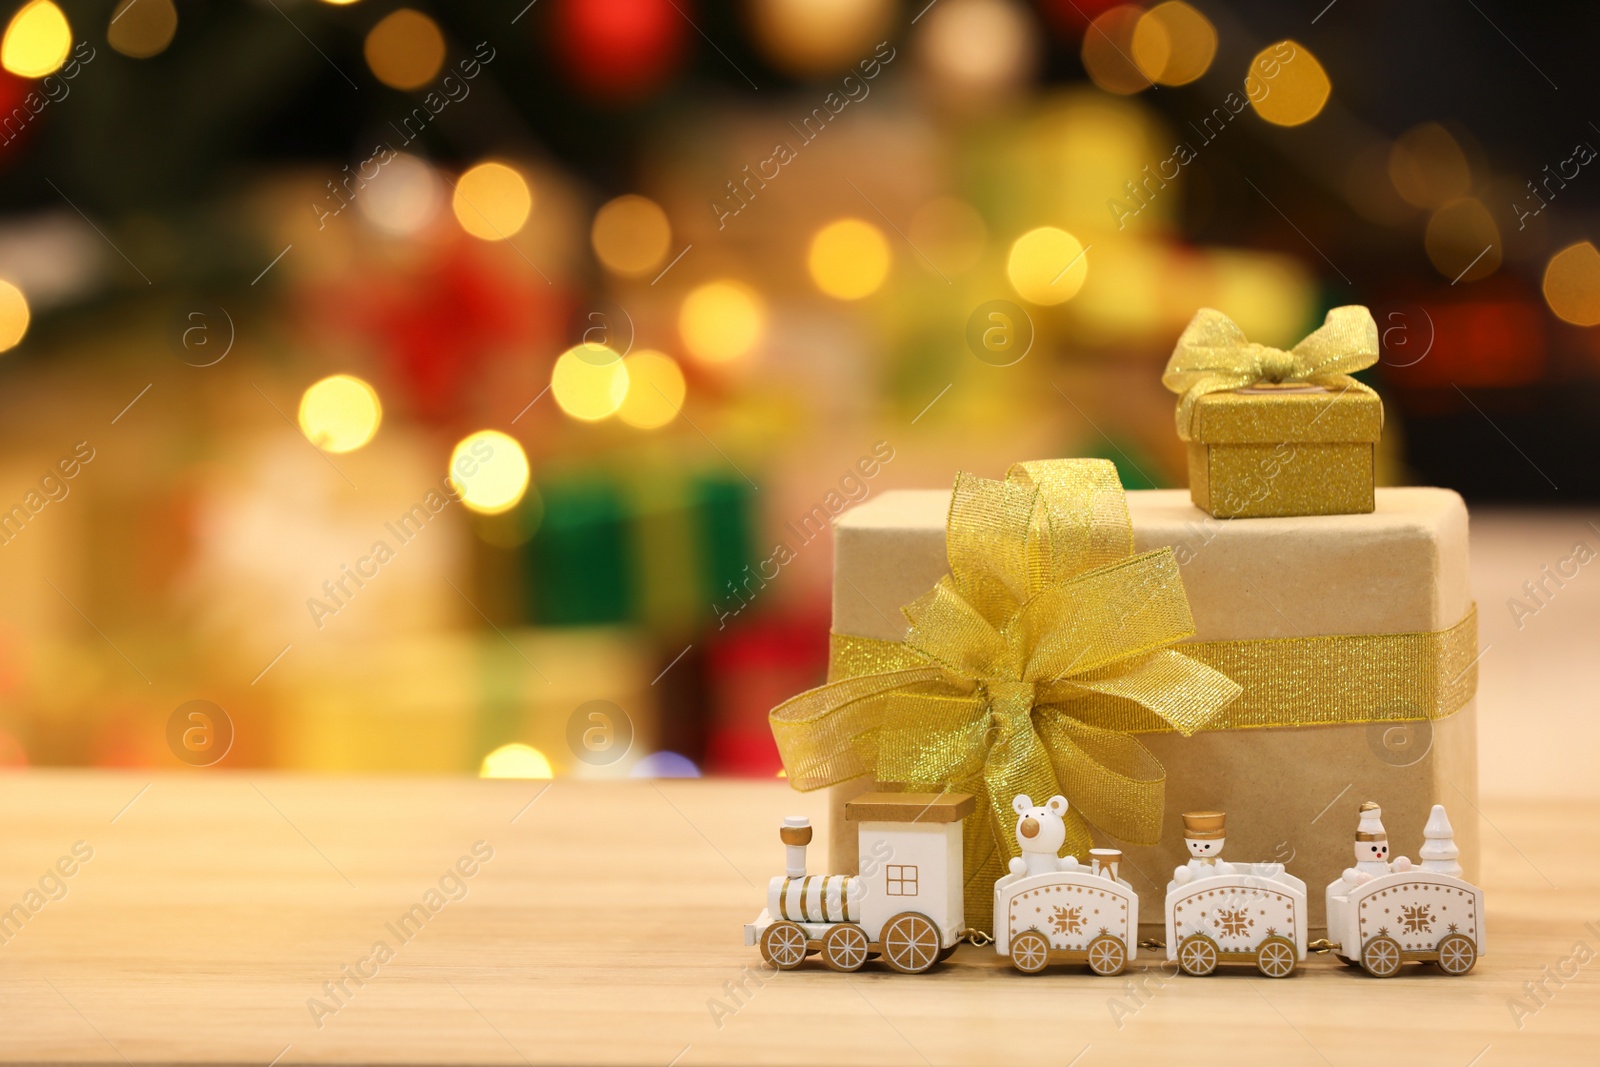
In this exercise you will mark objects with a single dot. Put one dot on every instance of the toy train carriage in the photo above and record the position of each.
(1078, 915)
(905, 905)
(1414, 915)
(1254, 913)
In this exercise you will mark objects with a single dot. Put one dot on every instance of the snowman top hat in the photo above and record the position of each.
(1370, 827)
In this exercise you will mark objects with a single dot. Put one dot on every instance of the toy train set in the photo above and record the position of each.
(904, 906)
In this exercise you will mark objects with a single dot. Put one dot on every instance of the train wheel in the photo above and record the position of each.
(1457, 954)
(910, 943)
(844, 948)
(1381, 957)
(1107, 955)
(946, 953)
(1275, 957)
(783, 944)
(1197, 955)
(1030, 952)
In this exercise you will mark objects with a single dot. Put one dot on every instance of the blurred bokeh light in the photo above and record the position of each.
(404, 198)
(630, 235)
(142, 28)
(492, 201)
(515, 760)
(1173, 43)
(1287, 85)
(1572, 284)
(656, 390)
(1047, 266)
(340, 413)
(589, 382)
(849, 259)
(978, 53)
(721, 321)
(812, 37)
(490, 470)
(14, 316)
(1428, 168)
(405, 49)
(1463, 241)
(37, 40)
(1109, 50)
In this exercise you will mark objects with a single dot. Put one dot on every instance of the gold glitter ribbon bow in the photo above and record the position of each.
(1045, 608)
(1213, 356)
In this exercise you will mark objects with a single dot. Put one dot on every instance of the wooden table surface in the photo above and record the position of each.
(605, 926)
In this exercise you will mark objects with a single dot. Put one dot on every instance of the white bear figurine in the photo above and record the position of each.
(1040, 834)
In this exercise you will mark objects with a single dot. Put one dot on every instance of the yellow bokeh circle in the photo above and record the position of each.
(1173, 44)
(849, 259)
(812, 37)
(1572, 284)
(1463, 241)
(589, 382)
(1428, 168)
(1047, 266)
(340, 413)
(14, 315)
(492, 201)
(515, 760)
(490, 471)
(405, 49)
(631, 235)
(721, 321)
(1108, 51)
(1286, 85)
(37, 40)
(655, 390)
(142, 28)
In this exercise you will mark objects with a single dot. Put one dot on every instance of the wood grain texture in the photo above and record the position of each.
(606, 926)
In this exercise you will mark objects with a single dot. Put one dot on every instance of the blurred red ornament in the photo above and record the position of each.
(441, 322)
(621, 49)
(1071, 17)
(13, 91)
(1494, 340)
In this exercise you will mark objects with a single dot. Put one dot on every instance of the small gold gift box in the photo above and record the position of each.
(1275, 433)
(1289, 449)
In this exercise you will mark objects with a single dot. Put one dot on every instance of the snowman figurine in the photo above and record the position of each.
(1204, 832)
(1372, 848)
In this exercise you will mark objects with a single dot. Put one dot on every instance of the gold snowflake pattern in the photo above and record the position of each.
(1416, 918)
(1234, 922)
(1067, 920)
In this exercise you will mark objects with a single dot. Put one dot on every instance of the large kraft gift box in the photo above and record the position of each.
(1291, 793)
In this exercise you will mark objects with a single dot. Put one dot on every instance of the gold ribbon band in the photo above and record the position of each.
(1287, 681)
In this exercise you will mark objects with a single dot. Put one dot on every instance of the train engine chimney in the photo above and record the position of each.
(796, 835)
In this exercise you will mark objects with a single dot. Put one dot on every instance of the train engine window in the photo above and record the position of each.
(901, 880)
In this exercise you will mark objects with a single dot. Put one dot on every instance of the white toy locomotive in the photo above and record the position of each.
(905, 904)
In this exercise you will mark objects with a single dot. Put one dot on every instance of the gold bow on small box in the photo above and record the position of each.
(1025, 670)
(1275, 432)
